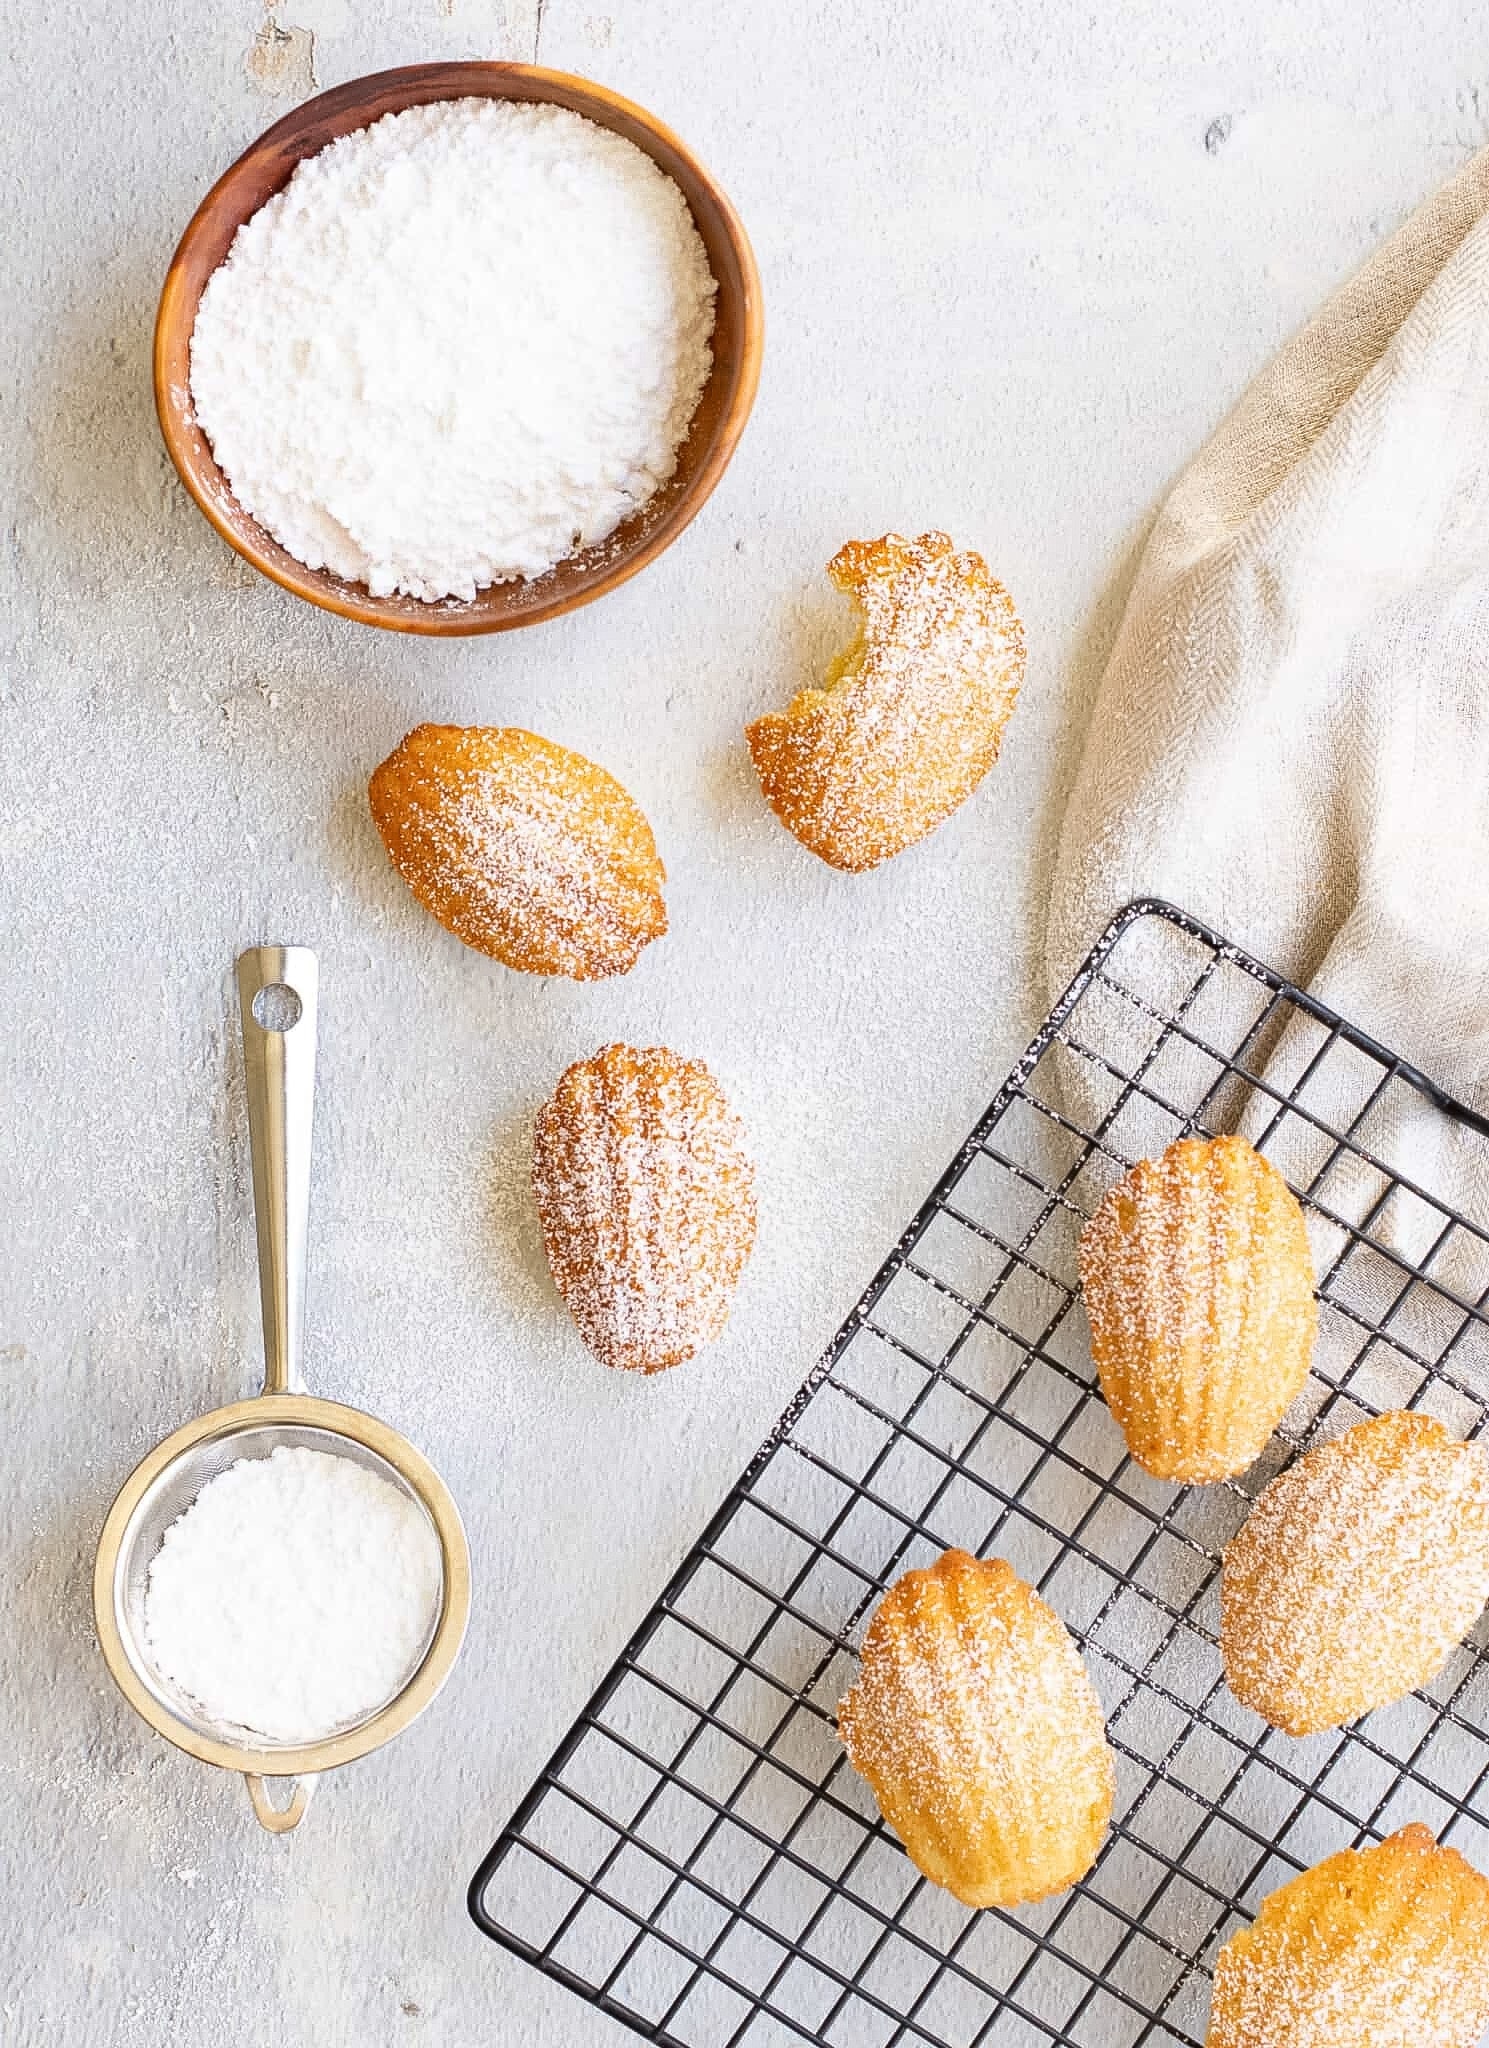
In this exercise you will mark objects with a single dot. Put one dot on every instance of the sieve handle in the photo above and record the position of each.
(279, 1819)
(277, 989)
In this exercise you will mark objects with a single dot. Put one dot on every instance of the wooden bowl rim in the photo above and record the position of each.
(461, 79)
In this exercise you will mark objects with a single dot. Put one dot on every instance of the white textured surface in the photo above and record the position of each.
(1009, 289)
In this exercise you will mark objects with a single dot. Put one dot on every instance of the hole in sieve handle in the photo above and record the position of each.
(277, 1007)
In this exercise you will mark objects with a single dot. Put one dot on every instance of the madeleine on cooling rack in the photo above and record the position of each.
(521, 848)
(646, 1193)
(1356, 1573)
(1373, 1948)
(1198, 1284)
(912, 715)
(980, 1733)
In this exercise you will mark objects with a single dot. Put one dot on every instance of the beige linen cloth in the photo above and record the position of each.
(1291, 739)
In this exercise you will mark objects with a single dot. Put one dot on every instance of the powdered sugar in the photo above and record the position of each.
(295, 1595)
(1377, 1948)
(976, 1724)
(1199, 1288)
(913, 714)
(645, 1189)
(1360, 1568)
(457, 346)
(523, 849)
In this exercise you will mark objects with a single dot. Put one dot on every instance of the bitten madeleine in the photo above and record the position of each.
(1358, 1570)
(522, 849)
(646, 1194)
(1198, 1284)
(1373, 1948)
(980, 1733)
(912, 716)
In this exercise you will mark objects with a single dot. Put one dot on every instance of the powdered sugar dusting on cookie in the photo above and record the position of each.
(913, 716)
(645, 1191)
(521, 848)
(974, 1721)
(1357, 1572)
(1386, 1947)
(1198, 1284)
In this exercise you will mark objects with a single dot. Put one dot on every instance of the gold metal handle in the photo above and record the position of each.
(279, 1819)
(277, 989)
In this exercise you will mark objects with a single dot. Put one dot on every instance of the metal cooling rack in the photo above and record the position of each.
(699, 1860)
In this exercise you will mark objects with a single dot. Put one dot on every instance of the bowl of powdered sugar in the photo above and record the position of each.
(458, 347)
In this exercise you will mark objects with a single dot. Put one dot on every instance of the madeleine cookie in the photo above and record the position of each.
(1358, 1570)
(1198, 1283)
(522, 849)
(1373, 1948)
(646, 1195)
(980, 1733)
(912, 716)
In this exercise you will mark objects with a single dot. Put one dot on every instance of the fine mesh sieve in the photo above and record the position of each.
(277, 989)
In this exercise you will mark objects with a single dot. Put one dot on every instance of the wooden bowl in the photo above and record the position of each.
(716, 427)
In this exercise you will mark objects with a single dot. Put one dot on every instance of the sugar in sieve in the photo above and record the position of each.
(277, 989)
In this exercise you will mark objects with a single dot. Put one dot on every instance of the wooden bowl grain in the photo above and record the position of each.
(716, 427)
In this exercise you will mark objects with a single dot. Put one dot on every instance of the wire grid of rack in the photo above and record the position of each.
(698, 1858)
